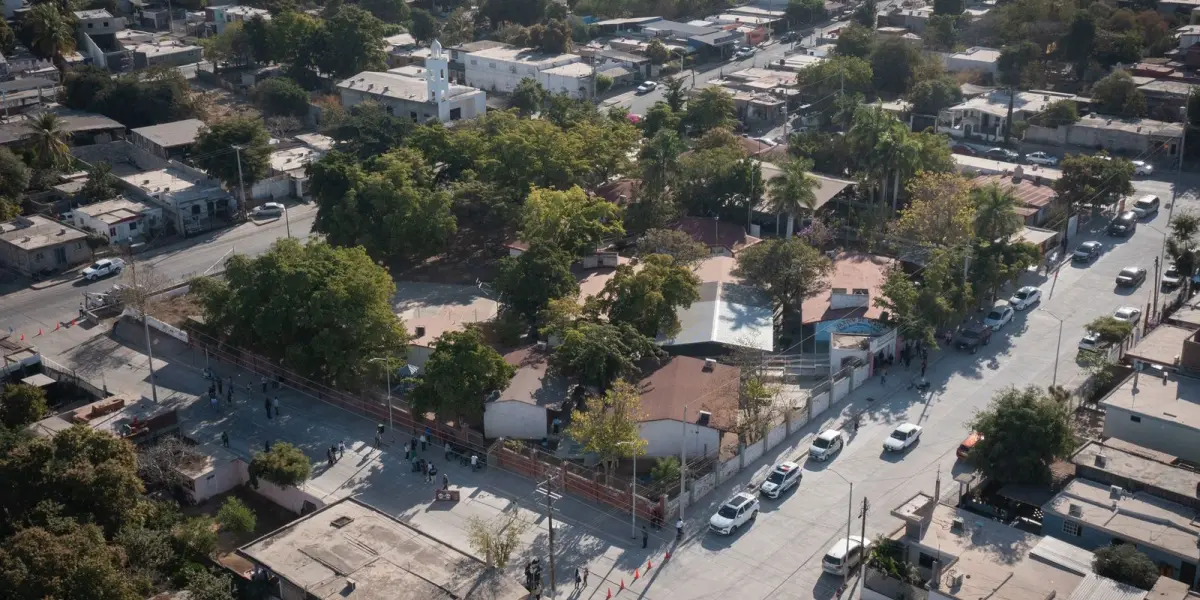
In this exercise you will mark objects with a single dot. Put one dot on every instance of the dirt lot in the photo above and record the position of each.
(219, 104)
(175, 311)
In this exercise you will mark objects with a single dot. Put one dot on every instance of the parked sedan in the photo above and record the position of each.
(902, 437)
(1141, 167)
(1001, 154)
(1041, 158)
(1087, 251)
(647, 87)
(1025, 297)
(1128, 314)
(1171, 277)
(999, 316)
(964, 150)
(1131, 277)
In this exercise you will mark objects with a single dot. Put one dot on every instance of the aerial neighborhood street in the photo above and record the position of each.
(783, 300)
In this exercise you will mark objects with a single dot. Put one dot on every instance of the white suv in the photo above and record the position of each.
(827, 444)
(781, 479)
(740, 509)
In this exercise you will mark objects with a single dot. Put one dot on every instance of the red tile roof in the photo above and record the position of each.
(850, 271)
(716, 234)
(1028, 193)
(682, 381)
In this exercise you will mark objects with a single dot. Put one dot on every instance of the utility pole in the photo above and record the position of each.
(863, 534)
(551, 496)
(683, 464)
(241, 186)
(141, 295)
(849, 518)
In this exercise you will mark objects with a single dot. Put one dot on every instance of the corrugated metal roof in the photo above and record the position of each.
(1095, 587)
(1064, 555)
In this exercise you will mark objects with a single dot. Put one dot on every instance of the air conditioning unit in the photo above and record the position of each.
(705, 417)
(1115, 492)
(957, 525)
(957, 579)
(710, 364)
(1101, 460)
(1075, 510)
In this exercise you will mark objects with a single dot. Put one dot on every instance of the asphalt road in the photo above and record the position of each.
(26, 309)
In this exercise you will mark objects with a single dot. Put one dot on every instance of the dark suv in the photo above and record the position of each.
(973, 337)
(1124, 224)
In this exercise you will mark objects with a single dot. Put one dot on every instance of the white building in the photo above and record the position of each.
(984, 117)
(119, 219)
(220, 16)
(418, 98)
(575, 80)
(191, 200)
(289, 174)
(500, 69)
(983, 60)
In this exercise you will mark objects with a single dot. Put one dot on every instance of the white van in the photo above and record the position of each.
(1146, 206)
(844, 555)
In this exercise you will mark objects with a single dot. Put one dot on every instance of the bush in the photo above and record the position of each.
(195, 538)
(236, 516)
(284, 465)
(21, 404)
(603, 82)
(281, 96)
(1124, 563)
(665, 470)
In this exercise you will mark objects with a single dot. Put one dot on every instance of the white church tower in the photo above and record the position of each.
(437, 69)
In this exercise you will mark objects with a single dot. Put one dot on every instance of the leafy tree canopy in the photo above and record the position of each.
(679, 245)
(282, 96)
(609, 426)
(597, 354)
(648, 298)
(149, 97)
(353, 43)
(1118, 95)
(527, 284)
(712, 108)
(789, 270)
(894, 64)
(1096, 180)
(460, 373)
(930, 96)
(940, 212)
(806, 11)
(389, 11)
(21, 404)
(1023, 432)
(1126, 564)
(571, 221)
(1110, 329)
(14, 174)
(65, 560)
(213, 153)
(284, 465)
(855, 40)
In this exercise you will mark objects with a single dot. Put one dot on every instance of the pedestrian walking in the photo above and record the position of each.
(333, 450)
(225, 438)
(424, 440)
(474, 462)
(329, 457)
(212, 400)
(406, 451)
(679, 530)
(883, 377)
(585, 574)
(220, 386)
(341, 448)
(264, 384)
(923, 365)
(267, 405)
(578, 578)
(645, 536)
(445, 481)
(275, 403)
(229, 396)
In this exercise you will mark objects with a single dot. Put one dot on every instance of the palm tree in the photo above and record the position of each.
(871, 125)
(995, 212)
(51, 33)
(901, 156)
(793, 191)
(659, 159)
(49, 140)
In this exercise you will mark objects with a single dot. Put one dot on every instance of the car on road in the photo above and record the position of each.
(845, 554)
(1128, 314)
(1090, 342)
(1123, 224)
(646, 87)
(267, 209)
(782, 478)
(766, 141)
(974, 336)
(1001, 154)
(1145, 206)
(744, 52)
(999, 316)
(787, 37)
(103, 268)
(1087, 251)
(965, 448)
(1041, 158)
(1171, 278)
(1025, 297)
(828, 443)
(964, 150)
(738, 511)
(1131, 277)
(902, 437)
(1143, 168)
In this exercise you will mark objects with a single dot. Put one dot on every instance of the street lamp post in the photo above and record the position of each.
(849, 519)
(388, 372)
(1057, 347)
(632, 491)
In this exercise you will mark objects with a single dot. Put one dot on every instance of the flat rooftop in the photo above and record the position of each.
(387, 559)
(1188, 315)
(33, 232)
(577, 69)
(1139, 517)
(174, 134)
(1134, 126)
(850, 271)
(115, 211)
(1162, 345)
(1143, 469)
(523, 55)
(1175, 398)
(285, 161)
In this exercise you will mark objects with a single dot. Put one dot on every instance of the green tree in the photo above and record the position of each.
(609, 426)
(930, 96)
(367, 130)
(459, 27)
(21, 404)
(425, 27)
(866, 15)
(282, 96)
(235, 516)
(353, 42)
(674, 94)
(711, 109)
(1110, 329)
(460, 373)
(1023, 432)
(855, 40)
(101, 184)
(665, 471)
(196, 537)
(571, 221)
(648, 298)
(597, 354)
(793, 191)
(295, 40)
(1126, 564)
(997, 263)
(789, 270)
(48, 139)
(1117, 94)
(944, 32)
(14, 175)
(204, 584)
(521, 12)
(284, 465)
(232, 47)
(344, 296)
(8, 39)
(529, 97)
(150, 97)
(949, 7)
(393, 210)
(940, 213)
(1062, 112)
(49, 34)
(834, 75)
(676, 244)
(658, 159)
(1094, 180)
(213, 154)
(1079, 41)
(995, 212)
(526, 284)
(552, 38)
(1015, 61)
(603, 83)
(258, 34)
(1181, 245)
(657, 52)
(805, 12)
(66, 560)
(392, 11)
(894, 63)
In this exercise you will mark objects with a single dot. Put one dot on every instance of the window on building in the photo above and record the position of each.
(412, 115)
(105, 24)
(133, 225)
(491, 65)
(390, 110)
(455, 114)
(1072, 528)
(112, 232)
(1135, 418)
(195, 209)
(925, 560)
(91, 25)
(474, 62)
(39, 256)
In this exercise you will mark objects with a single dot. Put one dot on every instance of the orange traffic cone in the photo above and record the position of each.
(668, 556)
(636, 575)
(622, 584)
(57, 325)
(39, 331)
(649, 565)
(609, 593)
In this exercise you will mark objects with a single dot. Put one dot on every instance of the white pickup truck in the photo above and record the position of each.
(103, 268)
